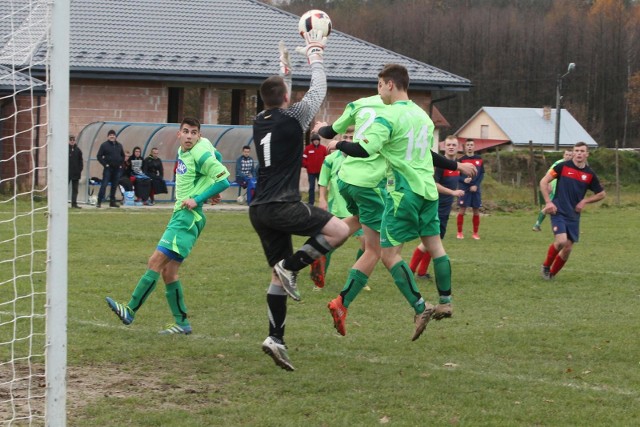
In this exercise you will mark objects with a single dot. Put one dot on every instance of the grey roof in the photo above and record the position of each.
(524, 124)
(221, 41)
(13, 82)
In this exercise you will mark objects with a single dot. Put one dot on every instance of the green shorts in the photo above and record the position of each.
(365, 203)
(408, 216)
(182, 231)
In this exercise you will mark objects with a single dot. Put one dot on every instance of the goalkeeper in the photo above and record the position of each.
(200, 176)
(277, 212)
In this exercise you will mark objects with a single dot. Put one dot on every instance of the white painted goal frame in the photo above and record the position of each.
(38, 41)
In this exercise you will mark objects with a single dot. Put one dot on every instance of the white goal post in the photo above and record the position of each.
(34, 116)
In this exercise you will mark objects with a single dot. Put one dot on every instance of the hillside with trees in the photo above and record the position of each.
(513, 51)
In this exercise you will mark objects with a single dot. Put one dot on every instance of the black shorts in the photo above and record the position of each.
(275, 223)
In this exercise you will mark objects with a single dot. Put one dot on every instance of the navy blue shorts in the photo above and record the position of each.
(561, 224)
(470, 200)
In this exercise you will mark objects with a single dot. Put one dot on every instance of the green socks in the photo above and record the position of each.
(175, 298)
(355, 282)
(442, 270)
(404, 280)
(145, 286)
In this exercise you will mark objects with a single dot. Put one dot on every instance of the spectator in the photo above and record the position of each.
(111, 157)
(245, 167)
(141, 182)
(312, 159)
(75, 170)
(152, 167)
(125, 182)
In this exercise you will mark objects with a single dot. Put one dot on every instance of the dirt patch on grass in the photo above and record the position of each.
(22, 390)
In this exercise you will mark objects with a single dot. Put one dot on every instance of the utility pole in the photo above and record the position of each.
(556, 143)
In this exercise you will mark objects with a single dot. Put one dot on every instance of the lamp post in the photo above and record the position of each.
(556, 143)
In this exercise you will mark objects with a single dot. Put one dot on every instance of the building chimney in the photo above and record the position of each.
(546, 113)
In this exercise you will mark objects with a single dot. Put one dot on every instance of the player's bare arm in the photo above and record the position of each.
(467, 169)
(550, 207)
(591, 199)
(447, 191)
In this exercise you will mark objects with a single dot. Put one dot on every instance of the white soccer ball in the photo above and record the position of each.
(315, 20)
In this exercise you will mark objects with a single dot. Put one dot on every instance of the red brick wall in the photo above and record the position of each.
(102, 100)
(21, 144)
(114, 100)
(131, 101)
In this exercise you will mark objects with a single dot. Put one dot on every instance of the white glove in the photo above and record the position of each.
(315, 46)
(285, 65)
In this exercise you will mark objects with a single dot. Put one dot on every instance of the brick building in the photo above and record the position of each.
(139, 61)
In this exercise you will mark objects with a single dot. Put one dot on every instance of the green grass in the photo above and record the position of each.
(518, 351)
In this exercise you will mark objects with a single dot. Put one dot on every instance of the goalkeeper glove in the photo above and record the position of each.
(315, 46)
(285, 65)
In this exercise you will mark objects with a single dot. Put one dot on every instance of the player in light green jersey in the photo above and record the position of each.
(362, 184)
(200, 175)
(332, 200)
(403, 135)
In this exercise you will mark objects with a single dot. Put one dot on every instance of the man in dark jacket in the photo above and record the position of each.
(75, 170)
(111, 157)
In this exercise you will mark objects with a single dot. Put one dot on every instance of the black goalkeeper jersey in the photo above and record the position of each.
(278, 136)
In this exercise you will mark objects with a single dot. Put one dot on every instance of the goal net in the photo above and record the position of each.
(33, 217)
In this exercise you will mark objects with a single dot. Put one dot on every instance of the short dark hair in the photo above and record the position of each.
(396, 73)
(470, 140)
(581, 144)
(246, 147)
(272, 91)
(111, 132)
(315, 137)
(191, 121)
(72, 138)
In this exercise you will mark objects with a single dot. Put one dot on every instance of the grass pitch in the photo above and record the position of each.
(518, 351)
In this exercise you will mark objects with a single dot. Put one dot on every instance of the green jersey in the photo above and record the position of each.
(329, 178)
(363, 172)
(403, 135)
(198, 169)
(555, 181)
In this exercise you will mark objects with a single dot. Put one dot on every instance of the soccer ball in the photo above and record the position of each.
(315, 20)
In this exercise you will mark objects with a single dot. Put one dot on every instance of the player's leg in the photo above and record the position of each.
(442, 273)
(370, 207)
(144, 288)
(400, 224)
(356, 279)
(312, 188)
(560, 240)
(571, 237)
(460, 218)
(538, 225)
(276, 246)
(175, 299)
(476, 204)
(327, 232)
(416, 257)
